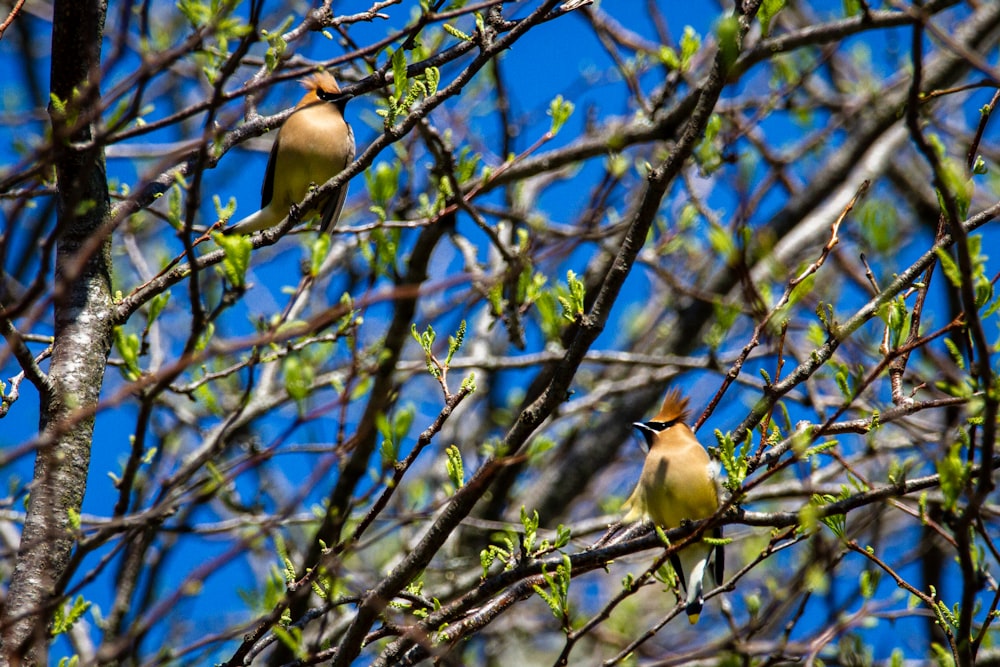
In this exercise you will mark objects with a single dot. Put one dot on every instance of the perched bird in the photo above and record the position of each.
(314, 145)
(678, 483)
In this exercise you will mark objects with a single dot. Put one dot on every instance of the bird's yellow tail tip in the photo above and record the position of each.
(693, 618)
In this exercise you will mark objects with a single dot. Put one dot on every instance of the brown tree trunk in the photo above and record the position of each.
(83, 334)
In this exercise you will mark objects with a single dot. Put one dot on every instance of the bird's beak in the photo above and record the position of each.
(341, 99)
(647, 435)
(643, 428)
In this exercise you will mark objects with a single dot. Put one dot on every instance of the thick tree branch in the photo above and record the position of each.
(83, 334)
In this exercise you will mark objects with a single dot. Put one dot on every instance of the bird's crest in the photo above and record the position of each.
(321, 81)
(674, 408)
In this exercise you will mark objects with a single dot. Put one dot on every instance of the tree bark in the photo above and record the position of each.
(83, 334)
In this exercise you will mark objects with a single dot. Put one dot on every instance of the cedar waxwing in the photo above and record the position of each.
(314, 145)
(678, 483)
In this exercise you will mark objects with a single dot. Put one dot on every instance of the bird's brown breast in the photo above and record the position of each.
(316, 145)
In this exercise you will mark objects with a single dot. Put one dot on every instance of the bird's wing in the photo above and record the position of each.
(267, 186)
(719, 571)
(675, 562)
(635, 506)
(335, 204)
(332, 209)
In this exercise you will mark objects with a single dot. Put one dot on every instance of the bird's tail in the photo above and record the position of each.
(262, 219)
(690, 565)
(695, 589)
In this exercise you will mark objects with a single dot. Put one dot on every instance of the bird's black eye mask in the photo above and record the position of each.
(340, 99)
(662, 426)
(649, 429)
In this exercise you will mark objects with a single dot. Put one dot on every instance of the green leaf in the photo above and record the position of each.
(898, 321)
(690, 43)
(432, 77)
(837, 523)
(979, 167)
(708, 154)
(668, 575)
(399, 79)
(390, 444)
(486, 558)
(617, 164)
(818, 449)
(402, 421)
(956, 354)
(958, 180)
(504, 555)
(728, 35)
(557, 597)
(425, 339)
(468, 163)
(174, 206)
(455, 32)
(383, 182)
(318, 251)
(725, 316)
(573, 302)
(530, 524)
(272, 57)
(954, 473)
(949, 266)
(299, 377)
(560, 110)
(426, 342)
(58, 104)
(65, 617)
(454, 467)
(669, 58)
(291, 637)
(156, 306)
(236, 250)
(843, 385)
(563, 535)
(128, 346)
(455, 342)
(768, 10)
(722, 242)
(734, 463)
(868, 583)
(537, 447)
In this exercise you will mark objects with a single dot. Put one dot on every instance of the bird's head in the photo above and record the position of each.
(673, 411)
(323, 87)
